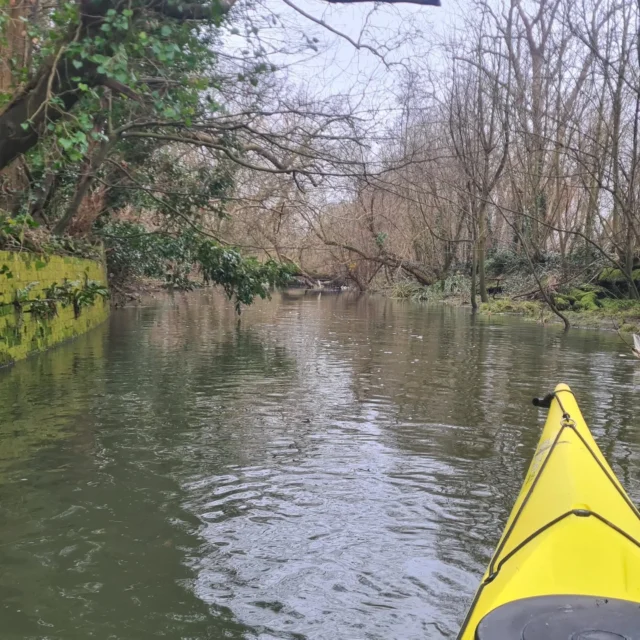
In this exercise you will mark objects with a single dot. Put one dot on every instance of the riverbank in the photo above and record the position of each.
(586, 305)
(614, 315)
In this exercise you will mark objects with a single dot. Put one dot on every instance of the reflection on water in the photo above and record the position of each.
(334, 467)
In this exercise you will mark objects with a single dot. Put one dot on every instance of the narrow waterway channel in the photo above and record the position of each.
(331, 467)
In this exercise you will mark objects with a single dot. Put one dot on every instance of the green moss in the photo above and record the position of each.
(583, 291)
(506, 305)
(616, 305)
(12, 336)
(611, 275)
(587, 302)
(502, 305)
(22, 334)
(563, 302)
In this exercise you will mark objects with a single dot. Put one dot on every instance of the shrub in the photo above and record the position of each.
(133, 252)
(502, 262)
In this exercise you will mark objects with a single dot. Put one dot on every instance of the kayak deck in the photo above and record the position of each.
(573, 531)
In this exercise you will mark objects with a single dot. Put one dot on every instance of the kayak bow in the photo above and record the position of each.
(568, 563)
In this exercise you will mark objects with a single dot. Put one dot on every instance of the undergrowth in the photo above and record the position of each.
(456, 286)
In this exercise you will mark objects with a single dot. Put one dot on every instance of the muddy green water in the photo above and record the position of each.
(323, 468)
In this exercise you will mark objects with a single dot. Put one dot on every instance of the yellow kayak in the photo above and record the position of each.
(567, 566)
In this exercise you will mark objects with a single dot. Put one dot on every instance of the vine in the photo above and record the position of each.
(21, 296)
(79, 296)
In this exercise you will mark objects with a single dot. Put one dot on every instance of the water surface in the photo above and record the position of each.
(331, 467)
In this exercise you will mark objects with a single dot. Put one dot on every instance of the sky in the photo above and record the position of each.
(408, 32)
(378, 25)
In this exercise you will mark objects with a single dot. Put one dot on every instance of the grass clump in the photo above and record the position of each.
(506, 305)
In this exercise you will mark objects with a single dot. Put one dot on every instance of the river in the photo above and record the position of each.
(332, 467)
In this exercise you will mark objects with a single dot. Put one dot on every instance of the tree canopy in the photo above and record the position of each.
(115, 105)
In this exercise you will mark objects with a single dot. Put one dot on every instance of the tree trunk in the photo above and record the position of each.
(537, 199)
(474, 271)
(82, 188)
(15, 51)
(628, 263)
(45, 193)
(15, 47)
(616, 117)
(25, 119)
(482, 249)
(29, 108)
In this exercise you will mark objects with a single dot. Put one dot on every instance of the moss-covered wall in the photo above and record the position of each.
(22, 334)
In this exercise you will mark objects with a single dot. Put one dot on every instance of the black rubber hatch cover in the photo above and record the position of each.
(562, 618)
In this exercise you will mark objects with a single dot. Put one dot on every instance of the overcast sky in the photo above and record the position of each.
(376, 25)
(340, 68)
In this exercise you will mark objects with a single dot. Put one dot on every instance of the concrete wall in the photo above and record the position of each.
(22, 334)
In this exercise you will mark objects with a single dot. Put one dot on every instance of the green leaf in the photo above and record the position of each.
(77, 64)
(127, 13)
(165, 31)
